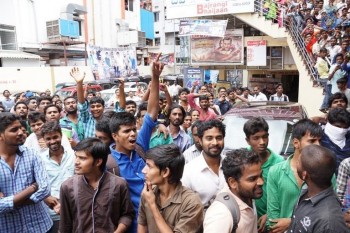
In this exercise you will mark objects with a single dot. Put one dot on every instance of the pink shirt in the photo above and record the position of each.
(203, 115)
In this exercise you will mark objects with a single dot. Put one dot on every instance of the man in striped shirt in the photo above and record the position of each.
(23, 182)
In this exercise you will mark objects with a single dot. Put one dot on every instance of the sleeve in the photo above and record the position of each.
(41, 179)
(191, 215)
(6, 204)
(191, 102)
(127, 211)
(144, 136)
(66, 218)
(218, 219)
(273, 205)
(84, 114)
(343, 175)
(141, 219)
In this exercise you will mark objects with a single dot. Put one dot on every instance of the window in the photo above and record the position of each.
(8, 40)
(129, 5)
(156, 16)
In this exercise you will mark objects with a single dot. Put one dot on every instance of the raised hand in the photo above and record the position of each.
(157, 67)
(77, 75)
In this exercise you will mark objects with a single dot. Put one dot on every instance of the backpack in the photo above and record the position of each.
(231, 204)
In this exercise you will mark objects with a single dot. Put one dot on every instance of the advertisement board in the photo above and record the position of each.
(256, 53)
(193, 75)
(204, 27)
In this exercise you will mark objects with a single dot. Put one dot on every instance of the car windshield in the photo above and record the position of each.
(63, 94)
(279, 135)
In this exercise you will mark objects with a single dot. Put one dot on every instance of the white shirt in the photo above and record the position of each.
(259, 97)
(275, 97)
(191, 153)
(218, 217)
(334, 51)
(201, 179)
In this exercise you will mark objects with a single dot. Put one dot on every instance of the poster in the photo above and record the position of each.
(193, 75)
(204, 27)
(195, 8)
(256, 53)
(211, 76)
(218, 51)
(167, 59)
(109, 63)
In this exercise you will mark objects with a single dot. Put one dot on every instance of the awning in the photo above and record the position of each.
(17, 54)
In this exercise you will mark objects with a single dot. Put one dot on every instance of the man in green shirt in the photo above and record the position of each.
(283, 182)
(257, 137)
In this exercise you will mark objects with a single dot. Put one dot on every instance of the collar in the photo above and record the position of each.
(100, 181)
(119, 154)
(176, 198)
(202, 164)
(318, 197)
(286, 165)
(20, 150)
(193, 148)
(241, 204)
(179, 134)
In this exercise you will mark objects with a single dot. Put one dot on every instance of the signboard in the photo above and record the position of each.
(167, 59)
(218, 51)
(196, 8)
(204, 27)
(256, 53)
(112, 62)
(193, 75)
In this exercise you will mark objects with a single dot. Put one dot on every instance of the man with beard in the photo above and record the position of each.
(205, 113)
(71, 118)
(257, 137)
(129, 145)
(318, 208)
(195, 150)
(283, 182)
(59, 164)
(176, 118)
(21, 110)
(204, 174)
(96, 105)
(21, 167)
(130, 107)
(243, 175)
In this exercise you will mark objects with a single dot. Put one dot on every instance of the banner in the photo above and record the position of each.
(109, 63)
(256, 53)
(167, 59)
(195, 8)
(193, 75)
(218, 51)
(214, 28)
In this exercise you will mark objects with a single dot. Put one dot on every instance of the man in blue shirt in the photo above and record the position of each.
(23, 182)
(129, 146)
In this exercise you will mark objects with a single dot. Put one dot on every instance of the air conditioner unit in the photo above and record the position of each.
(62, 29)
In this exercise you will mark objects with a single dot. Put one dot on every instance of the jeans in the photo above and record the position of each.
(327, 93)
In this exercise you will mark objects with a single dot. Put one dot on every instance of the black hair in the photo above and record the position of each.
(220, 88)
(49, 127)
(306, 125)
(278, 85)
(130, 102)
(235, 162)
(18, 103)
(255, 125)
(339, 115)
(175, 106)
(339, 55)
(97, 100)
(96, 148)
(195, 124)
(23, 123)
(336, 96)
(232, 89)
(120, 119)
(184, 89)
(31, 98)
(5, 91)
(203, 97)
(109, 114)
(41, 98)
(140, 108)
(168, 156)
(36, 116)
(50, 106)
(206, 125)
(69, 97)
(319, 163)
(102, 125)
(323, 50)
(6, 119)
(342, 80)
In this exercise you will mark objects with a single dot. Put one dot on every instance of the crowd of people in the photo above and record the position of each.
(158, 165)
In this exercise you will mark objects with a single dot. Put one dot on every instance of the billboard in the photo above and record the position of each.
(112, 62)
(204, 27)
(256, 53)
(193, 75)
(196, 8)
(167, 59)
(218, 51)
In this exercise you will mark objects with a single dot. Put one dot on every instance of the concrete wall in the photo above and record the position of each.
(10, 62)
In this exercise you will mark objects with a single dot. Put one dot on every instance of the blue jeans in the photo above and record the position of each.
(327, 93)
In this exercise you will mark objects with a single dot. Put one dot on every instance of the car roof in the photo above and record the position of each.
(274, 110)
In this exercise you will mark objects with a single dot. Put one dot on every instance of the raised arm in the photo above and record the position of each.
(145, 97)
(153, 102)
(169, 100)
(79, 78)
(122, 98)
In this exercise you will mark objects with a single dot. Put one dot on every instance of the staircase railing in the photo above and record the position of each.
(278, 15)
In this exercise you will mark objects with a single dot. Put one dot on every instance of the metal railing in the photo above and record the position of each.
(279, 16)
